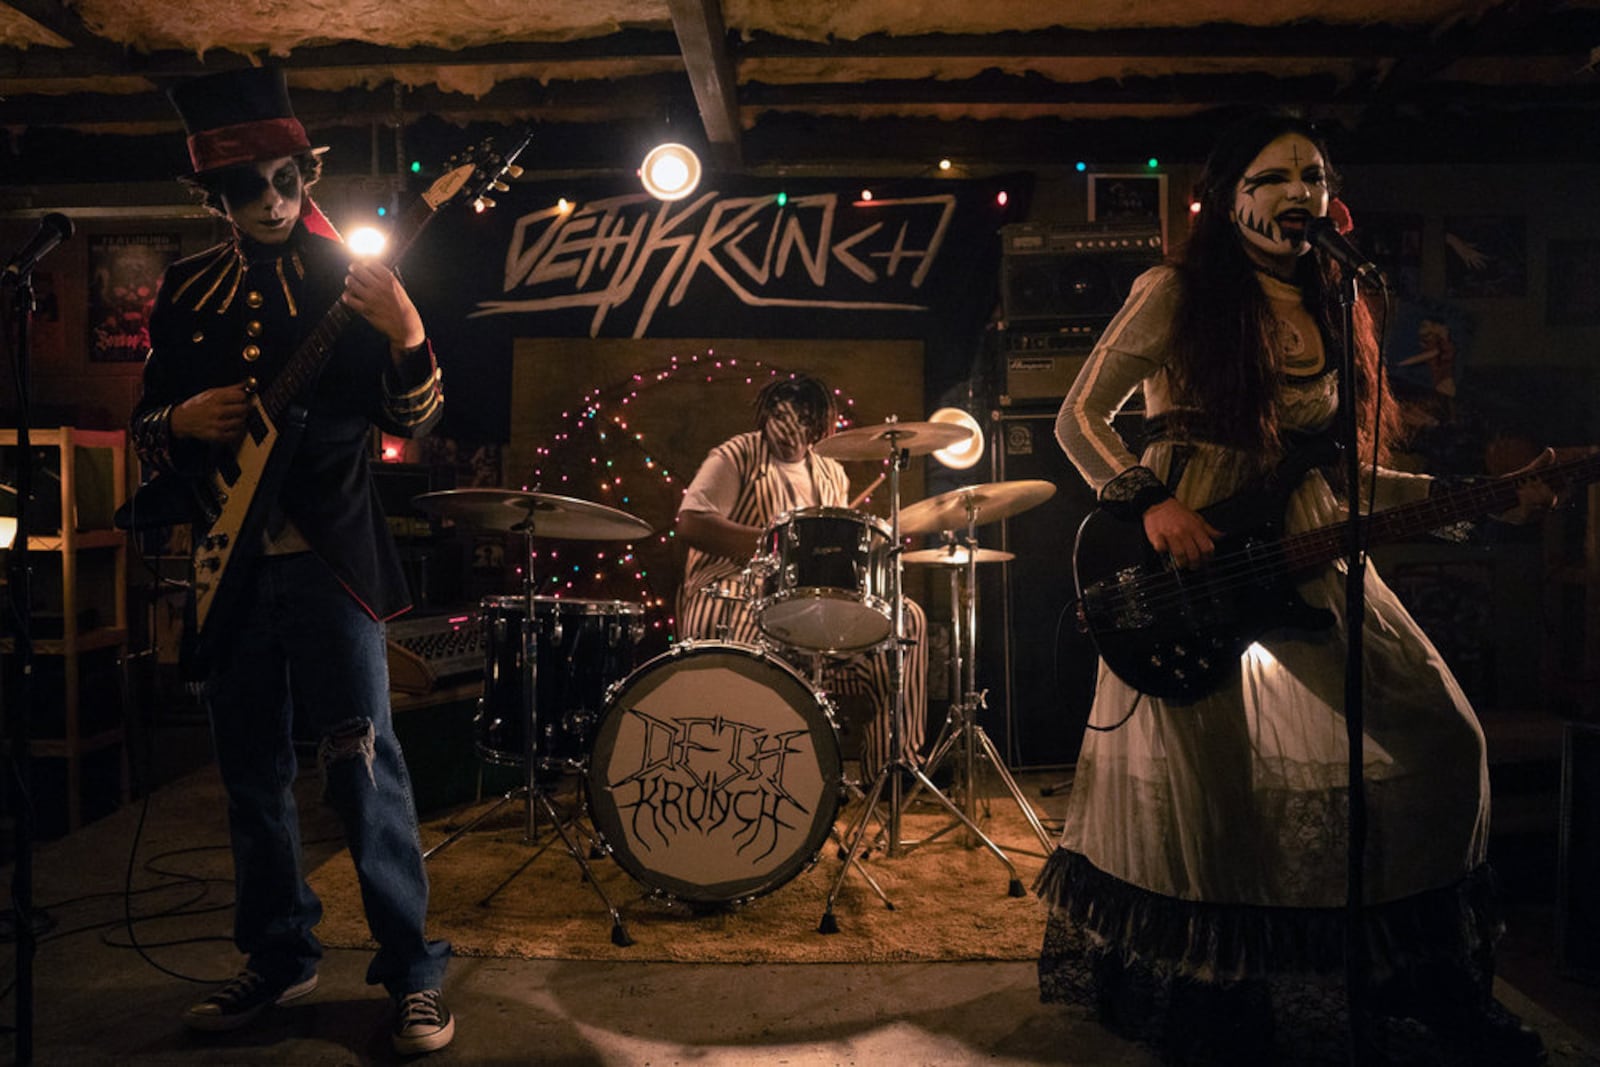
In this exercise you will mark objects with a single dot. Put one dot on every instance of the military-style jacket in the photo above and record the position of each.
(239, 311)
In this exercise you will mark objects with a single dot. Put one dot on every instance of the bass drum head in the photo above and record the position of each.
(716, 773)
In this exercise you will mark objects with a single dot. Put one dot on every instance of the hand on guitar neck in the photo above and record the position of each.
(1534, 497)
(1178, 531)
(372, 291)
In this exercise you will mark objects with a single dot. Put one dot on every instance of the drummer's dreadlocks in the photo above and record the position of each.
(810, 397)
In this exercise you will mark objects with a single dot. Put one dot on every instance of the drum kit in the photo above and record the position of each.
(713, 772)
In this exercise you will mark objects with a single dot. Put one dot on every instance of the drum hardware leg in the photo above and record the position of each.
(901, 764)
(462, 831)
(857, 834)
(534, 793)
(619, 931)
(974, 743)
(860, 869)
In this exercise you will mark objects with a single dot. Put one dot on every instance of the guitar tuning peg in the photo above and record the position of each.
(499, 186)
(483, 203)
(514, 171)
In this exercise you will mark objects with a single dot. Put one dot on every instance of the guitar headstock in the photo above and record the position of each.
(471, 175)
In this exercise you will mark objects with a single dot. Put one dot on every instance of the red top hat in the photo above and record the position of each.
(239, 116)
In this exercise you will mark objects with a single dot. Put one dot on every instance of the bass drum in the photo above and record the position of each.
(715, 774)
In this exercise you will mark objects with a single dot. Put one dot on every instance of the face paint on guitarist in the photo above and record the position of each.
(275, 358)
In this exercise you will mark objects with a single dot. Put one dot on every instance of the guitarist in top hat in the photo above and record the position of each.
(316, 572)
(1198, 893)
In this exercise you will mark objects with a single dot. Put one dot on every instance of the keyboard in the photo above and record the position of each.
(430, 651)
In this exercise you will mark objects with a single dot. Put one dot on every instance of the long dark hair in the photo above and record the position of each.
(1223, 374)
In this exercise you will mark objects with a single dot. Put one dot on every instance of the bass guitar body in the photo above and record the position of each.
(1178, 634)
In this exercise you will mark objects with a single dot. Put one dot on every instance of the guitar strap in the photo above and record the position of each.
(1181, 455)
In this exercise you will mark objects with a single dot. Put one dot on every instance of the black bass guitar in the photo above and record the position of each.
(229, 504)
(1178, 634)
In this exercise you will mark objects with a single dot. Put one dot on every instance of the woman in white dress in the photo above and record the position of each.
(1199, 885)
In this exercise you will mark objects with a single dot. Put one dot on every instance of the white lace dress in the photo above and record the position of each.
(1208, 840)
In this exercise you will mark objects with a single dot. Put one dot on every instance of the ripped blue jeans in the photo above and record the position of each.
(303, 648)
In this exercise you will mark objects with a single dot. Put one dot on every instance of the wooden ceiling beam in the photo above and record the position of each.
(703, 40)
(44, 63)
(59, 20)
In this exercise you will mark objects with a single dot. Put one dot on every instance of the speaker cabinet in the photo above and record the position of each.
(1051, 274)
(1039, 668)
(1578, 891)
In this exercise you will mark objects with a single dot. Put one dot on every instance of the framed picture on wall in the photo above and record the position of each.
(1485, 255)
(1129, 198)
(124, 271)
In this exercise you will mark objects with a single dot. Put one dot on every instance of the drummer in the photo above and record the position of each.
(742, 486)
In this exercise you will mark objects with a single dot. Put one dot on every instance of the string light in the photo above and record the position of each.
(619, 463)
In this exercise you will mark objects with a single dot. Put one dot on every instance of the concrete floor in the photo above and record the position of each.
(98, 999)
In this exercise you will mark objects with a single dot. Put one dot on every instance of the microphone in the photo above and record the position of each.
(1322, 235)
(53, 229)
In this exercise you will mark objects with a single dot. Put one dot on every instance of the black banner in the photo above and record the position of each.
(738, 258)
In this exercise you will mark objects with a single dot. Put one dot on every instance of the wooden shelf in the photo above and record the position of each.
(90, 470)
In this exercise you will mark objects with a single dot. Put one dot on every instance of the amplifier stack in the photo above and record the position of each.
(1059, 287)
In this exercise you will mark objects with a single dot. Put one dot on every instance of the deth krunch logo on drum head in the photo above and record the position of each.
(716, 773)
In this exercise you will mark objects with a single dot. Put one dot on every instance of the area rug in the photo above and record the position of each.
(496, 894)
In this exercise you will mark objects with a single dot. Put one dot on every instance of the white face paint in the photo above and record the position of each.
(1281, 190)
(264, 199)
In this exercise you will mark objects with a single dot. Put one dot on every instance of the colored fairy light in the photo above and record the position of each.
(613, 455)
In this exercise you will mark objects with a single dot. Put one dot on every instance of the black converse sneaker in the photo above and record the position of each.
(241, 1000)
(422, 1023)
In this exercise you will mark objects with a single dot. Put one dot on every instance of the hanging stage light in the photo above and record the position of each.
(670, 171)
(962, 454)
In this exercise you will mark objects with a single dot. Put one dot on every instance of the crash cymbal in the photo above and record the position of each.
(544, 514)
(882, 439)
(956, 556)
(987, 503)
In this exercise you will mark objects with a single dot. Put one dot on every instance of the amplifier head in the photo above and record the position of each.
(1072, 273)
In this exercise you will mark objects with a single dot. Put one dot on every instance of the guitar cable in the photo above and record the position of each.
(1138, 696)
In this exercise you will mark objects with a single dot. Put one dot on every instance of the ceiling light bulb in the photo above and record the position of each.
(670, 171)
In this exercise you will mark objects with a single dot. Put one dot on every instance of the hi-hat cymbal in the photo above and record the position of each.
(883, 439)
(541, 514)
(975, 503)
(956, 556)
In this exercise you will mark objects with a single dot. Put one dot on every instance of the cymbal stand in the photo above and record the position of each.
(532, 791)
(962, 733)
(890, 776)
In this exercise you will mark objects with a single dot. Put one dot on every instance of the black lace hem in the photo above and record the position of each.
(1263, 983)
(1455, 926)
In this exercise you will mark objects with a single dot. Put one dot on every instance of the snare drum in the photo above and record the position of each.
(825, 580)
(716, 773)
(581, 648)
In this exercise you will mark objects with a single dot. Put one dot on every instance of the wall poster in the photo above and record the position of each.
(124, 271)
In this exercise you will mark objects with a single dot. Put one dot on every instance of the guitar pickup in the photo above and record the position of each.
(228, 468)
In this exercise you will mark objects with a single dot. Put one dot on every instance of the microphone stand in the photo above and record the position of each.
(1356, 967)
(19, 595)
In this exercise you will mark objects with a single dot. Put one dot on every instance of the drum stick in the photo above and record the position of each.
(856, 503)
